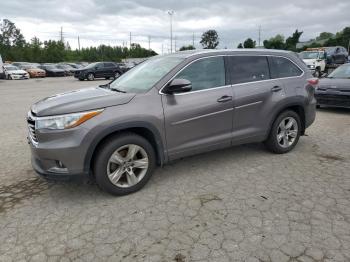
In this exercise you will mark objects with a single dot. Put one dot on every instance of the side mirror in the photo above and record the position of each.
(178, 86)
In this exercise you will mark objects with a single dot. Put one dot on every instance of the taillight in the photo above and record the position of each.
(313, 81)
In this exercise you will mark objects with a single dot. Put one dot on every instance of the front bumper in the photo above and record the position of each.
(59, 154)
(333, 100)
(18, 77)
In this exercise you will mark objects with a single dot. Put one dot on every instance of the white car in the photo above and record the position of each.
(315, 61)
(13, 72)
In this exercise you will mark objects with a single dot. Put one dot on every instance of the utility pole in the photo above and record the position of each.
(259, 35)
(175, 44)
(193, 39)
(130, 41)
(149, 42)
(171, 13)
(79, 43)
(61, 34)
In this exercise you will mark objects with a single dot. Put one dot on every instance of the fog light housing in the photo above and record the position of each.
(59, 168)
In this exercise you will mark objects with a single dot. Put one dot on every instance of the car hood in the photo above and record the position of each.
(309, 61)
(80, 100)
(35, 70)
(334, 83)
(17, 72)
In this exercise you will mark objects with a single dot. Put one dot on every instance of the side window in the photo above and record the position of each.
(109, 65)
(99, 65)
(205, 73)
(281, 67)
(248, 69)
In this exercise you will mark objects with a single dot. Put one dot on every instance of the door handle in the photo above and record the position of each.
(276, 89)
(224, 99)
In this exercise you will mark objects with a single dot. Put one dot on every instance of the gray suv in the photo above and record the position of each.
(171, 107)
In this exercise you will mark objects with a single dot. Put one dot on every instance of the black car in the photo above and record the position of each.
(336, 55)
(52, 70)
(105, 70)
(69, 70)
(334, 90)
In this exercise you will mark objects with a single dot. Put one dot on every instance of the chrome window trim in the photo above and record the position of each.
(213, 88)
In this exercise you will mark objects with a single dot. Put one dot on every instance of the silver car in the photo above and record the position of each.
(171, 107)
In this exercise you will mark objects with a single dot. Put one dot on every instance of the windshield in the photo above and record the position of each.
(340, 72)
(144, 76)
(92, 65)
(11, 68)
(50, 67)
(309, 55)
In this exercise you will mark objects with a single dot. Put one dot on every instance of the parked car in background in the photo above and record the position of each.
(126, 66)
(336, 55)
(69, 70)
(51, 70)
(33, 70)
(2, 74)
(334, 89)
(315, 59)
(105, 70)
(74, 65)
(14, 73)
(170, 107)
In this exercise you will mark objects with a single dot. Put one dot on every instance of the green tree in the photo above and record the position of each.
(324, 36)
(188, 47)
(210, 39)
(249, 43)
(292, 41)
(240, 45)
(276, 42)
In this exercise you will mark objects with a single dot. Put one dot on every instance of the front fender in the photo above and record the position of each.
(120, 127)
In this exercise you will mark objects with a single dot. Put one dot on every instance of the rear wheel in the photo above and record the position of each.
(90, 77)
(124, 164)
(116, 75)
(285, 133)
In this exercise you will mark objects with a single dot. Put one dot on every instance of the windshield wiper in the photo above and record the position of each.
(113, 89)
(118, 90)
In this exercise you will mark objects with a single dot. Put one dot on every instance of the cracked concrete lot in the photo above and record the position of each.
(237, 204)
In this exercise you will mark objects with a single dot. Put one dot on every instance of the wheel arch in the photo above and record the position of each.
(297, 108)
(146, 130)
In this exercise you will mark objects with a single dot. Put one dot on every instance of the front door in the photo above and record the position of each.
(199, 120)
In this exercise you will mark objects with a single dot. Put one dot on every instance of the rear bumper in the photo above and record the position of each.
(310, 113)
(333, 100)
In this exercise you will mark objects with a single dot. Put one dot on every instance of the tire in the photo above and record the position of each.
(116, 75)
(90, 76)
(317, 73)
(9, 77)
(287, 142)
(81, 79)
(120, 146)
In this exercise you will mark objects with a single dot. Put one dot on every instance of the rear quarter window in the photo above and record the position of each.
(281, 67)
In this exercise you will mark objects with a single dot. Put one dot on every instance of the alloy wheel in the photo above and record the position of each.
(287, 132)
(127, 165)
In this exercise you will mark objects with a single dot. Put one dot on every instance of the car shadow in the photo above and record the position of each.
(337, 110)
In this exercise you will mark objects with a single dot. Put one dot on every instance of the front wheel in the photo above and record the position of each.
(116, 75)
(284, 133)
(124, 164)
(90, 77)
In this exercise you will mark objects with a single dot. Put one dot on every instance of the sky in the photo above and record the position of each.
(111, 22)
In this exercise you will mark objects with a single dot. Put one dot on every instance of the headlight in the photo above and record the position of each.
(65, 121)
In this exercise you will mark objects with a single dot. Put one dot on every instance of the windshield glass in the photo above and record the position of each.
(144, 76)
(92, 65)
(11, 68)
(50, 67)
(309, 55)
(340, 72)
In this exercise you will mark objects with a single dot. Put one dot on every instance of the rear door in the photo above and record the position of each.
(199, 120)
(100, 70)
(109, 69)
(255, 94)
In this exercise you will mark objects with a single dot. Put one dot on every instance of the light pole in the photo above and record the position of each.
(170, 13)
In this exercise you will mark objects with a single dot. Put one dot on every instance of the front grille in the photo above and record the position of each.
(31, 128)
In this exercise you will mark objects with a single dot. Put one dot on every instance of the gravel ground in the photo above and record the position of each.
(238, 204)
